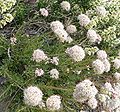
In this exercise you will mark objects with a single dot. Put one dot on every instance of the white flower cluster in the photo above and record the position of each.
(76, 53)
(102, 55)
(33, 96)
(39, 55)
(92, 103)
(110, 97)
(39, 72)
(83, 20)
(117, 76)
(98, 66)
(86, 91)
(71, 29)
(13, 40)
(101, 64)
(54, 73)
(58, 28)
(56, 25)
(101, 11)
(107, 65)
(116, 63)
(44, 12)
(54, 60)
(65, 5)
(53, 102)
(93, 36)
(6, 5)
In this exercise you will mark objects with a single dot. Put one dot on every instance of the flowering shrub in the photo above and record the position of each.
(61, 55)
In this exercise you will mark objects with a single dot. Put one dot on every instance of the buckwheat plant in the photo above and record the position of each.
(64, 56)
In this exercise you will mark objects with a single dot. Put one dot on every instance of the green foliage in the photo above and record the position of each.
(21, 13)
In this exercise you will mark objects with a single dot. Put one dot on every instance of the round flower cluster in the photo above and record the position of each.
(117, 76)
(33, 96)
(58, 28)
(92, 103)
(101, 64)
(65, 5)
(93, 36)
(54, 60)
(44, 12)
(71, 29)
(110, 97)
(39, 72)
(54, 73)
(86, 91)
(13, 40)
(101, 11)
(102, 55)
(6, 5)
(107, 65)
(53, 102)
(116, 63)
(76, 53)
(98, 66)
(39, 55)
(83, 20)
(56, 25)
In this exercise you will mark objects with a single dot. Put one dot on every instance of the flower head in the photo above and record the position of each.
(98, 66)
(44, 12)
(101, 54)
(54, 60)
(117, 76)
(106, 65)
(63, 35)
(39, 55)
(33, 96)
(84, 91)
(83, 20)
(116, 63)
(92, 103)
(56, 25)
(101, 11)
(76, 53)
(93, 36)
(65, 5)
(71, 29)
(54, 73)
(53, 102)
(39, 72)
(13, 40)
